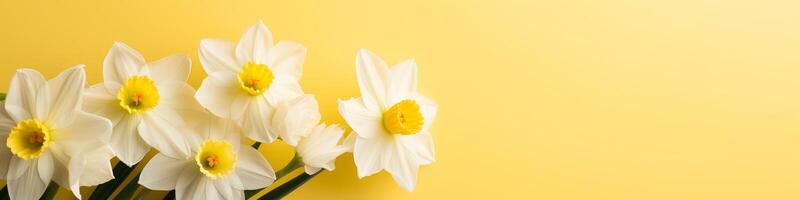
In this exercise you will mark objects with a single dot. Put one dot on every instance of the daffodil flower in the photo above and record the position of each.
(220, 166)
(295, 118)
(48, 136)
(391, 119)
(148, 103)
(247, 81)
(320, 148)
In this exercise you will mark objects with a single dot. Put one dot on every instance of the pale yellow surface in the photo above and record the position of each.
(614, 99)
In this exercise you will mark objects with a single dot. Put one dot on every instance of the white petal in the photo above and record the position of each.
(121, 62)
(126, 142)
(295, 119)
(221, 94)
(171, 68)
(60, 173)
(418, 146)
(373, 79)
(193, 185)
(87, 132)
(403, 169)
(5, 158)
(254, 122)
(235, 183)
(366, 123)
(223, 187)
(75, 168)
(369, 154)
(404, 81)
(98, 167)
(218, 55)
(6, 123)
(99, 101)
(320, 148)
(282, 89)
(390, 153)
(253, 169)
(5, 153)
(18, 167)
(190, 185)
(223, 129)
(311, 170)
(287, 57)
(350, 142)
(161, 172)
(66, 90)
(178, 96)
(254, 44)
(161, 129)
(27, 96)
(45, 166)
(29, 185)
(212, 127)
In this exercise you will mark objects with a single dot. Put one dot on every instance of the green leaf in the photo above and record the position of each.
(51, 191)
(127, 192)
(288, 187)
(170, 195)
(4, 193)
(104, 191)
(295, 163)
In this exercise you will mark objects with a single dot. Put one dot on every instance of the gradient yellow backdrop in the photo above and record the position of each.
(614, 99)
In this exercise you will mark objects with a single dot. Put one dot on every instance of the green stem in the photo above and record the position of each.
(288, 187)
(256, 145)
(50, 192)
(4, 193)
(127, 192)
(170, 195)
(142, 194)
(295, 163)
(103, 191)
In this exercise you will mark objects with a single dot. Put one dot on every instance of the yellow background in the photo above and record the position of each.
(614, 99)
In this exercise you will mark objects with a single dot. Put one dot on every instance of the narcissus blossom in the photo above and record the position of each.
(220, 166)
(391, 119)
(48, 136)
(248, 80)
(148, 103)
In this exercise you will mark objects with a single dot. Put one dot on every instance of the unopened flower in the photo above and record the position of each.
(321, 147)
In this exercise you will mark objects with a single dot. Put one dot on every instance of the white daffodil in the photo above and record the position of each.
(295, 118)
(320, 148)
(391, 119)
(48, 137)
(146, 102)
(220, 167)
(247, 81)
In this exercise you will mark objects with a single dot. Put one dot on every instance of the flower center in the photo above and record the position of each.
(138, 95)
(216, 158)
(255, 78)
(403, 118)
(29, 139)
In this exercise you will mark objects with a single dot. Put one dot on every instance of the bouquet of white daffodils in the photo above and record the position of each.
(59, 132)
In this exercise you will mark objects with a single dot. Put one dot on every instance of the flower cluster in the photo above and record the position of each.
(62, 131)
